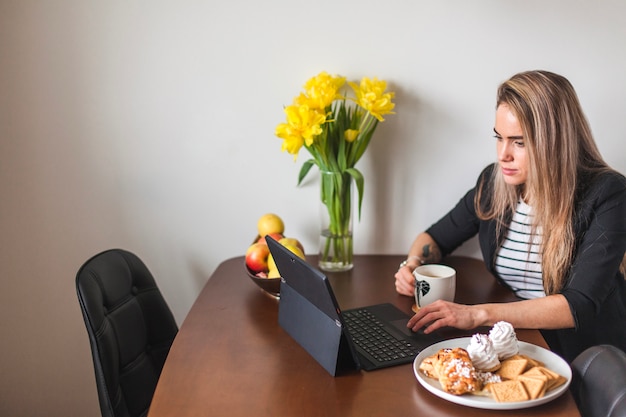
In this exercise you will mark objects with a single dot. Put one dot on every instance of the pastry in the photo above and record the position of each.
(428, 366)
(456, 373)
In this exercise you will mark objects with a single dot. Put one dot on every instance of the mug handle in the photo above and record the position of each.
(421, 288)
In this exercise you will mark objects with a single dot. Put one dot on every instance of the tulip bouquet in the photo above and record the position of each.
(336, 130)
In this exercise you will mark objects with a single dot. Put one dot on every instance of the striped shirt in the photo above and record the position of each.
(518, 261)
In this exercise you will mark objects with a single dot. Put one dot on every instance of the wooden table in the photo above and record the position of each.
(231, 358)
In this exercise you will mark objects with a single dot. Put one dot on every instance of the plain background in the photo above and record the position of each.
(149, 125)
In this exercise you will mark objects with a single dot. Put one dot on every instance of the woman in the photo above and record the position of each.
(551, 222)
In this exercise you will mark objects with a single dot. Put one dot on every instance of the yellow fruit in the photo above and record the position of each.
(270, 223)
(291, 241)
(295, 250)
(270, 263)
(273, 273)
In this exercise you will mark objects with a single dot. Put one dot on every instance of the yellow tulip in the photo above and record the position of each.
(370, 95)
(303, 125)
(322, 90)
(351, 135)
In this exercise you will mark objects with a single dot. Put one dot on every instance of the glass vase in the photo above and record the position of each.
(336, 209)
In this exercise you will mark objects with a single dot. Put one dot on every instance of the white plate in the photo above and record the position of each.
(551, 361)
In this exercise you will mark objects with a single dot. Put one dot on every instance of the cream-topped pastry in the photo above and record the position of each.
(483, 354)
(504, 339)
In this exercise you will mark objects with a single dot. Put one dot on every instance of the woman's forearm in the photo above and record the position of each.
(425, 248)
(551, 312)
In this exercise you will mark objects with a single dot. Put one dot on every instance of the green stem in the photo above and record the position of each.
(336, 196)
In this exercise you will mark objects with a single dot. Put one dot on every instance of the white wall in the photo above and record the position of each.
(149, 125)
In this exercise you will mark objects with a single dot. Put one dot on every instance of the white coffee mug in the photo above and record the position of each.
(434, 282)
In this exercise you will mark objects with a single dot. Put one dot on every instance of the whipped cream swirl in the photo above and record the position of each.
(504, 339)
(482, 353)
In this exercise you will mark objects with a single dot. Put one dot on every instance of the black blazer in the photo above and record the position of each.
(594, 288)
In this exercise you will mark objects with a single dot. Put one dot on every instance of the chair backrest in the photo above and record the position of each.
(599, 382)
(130, 327)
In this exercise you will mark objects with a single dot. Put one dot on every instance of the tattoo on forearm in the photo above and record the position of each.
(430, 253)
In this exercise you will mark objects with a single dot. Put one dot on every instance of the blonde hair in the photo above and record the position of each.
(560, 147)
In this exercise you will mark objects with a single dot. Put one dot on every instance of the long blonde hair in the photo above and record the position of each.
(560, 147)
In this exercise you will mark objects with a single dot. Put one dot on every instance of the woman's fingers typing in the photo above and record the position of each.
(442, 314)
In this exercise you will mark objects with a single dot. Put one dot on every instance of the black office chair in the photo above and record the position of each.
(130, 328)
(599, 382)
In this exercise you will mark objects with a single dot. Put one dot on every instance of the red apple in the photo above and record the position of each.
(275, 236)
(256, 257)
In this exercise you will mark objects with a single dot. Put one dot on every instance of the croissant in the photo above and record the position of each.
(428, 366)
(455, 371)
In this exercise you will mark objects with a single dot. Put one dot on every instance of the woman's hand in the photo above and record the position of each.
(405, 282)
(424, 250)
(444, 313)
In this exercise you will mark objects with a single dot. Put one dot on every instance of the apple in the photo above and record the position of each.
(256, 257)
(276, 236)
(292, 242)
